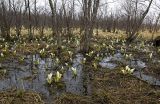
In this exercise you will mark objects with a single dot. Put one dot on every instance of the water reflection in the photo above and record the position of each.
(150, 79)
(108, 62)
(29, 76)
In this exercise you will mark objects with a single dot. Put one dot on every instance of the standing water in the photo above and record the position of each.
(28, 76)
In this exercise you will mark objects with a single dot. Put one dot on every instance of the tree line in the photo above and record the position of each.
(65, 16)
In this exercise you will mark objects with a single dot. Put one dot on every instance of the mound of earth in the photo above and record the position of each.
(157, 41)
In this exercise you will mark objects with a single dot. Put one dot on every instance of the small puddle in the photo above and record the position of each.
(107, 62)
(108, 65)
(29, 76)
(139, 65)
(147, 78)
(76, 85)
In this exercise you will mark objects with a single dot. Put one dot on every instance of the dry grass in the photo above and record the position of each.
(48, 31)
(147, 35)
(126, 89)
(73, 99)
(24, 32)
(114, 88)
(19, 97)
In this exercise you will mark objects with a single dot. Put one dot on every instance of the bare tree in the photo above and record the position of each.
(155, 27)
(42, 23)
(6, 20)
(135, 17)
(35, 26)
(17, 8)
(90, 10)
(65, 18)
(29, 22)
(55, 27)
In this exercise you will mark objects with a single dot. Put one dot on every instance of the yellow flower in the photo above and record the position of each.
(14, 52)
(104, 44)
(84, 60)
(95, 65)
(2, 55)
(49, 78)
(57, 61)
(58, 76)
(70, 53)
(90, 53)
(52, 54)
(159, 50)
(123, 71)
(151, 55)
(128, 56)
(77, 42)
(42, 51)
(127, 70)
(74, 71)
(47, 46)
(111, 47)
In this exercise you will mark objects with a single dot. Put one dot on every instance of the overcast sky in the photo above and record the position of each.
(111, 6)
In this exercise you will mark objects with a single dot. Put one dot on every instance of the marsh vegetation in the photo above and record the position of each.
(79, 52)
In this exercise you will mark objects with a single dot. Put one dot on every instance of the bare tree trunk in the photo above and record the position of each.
(5, 25)
(155, 26)
(30, 21)
(55, 29)
(35, 25)
(133, 35)
(18, 17)
(1, 26)
(89, 22)
(42, 26)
